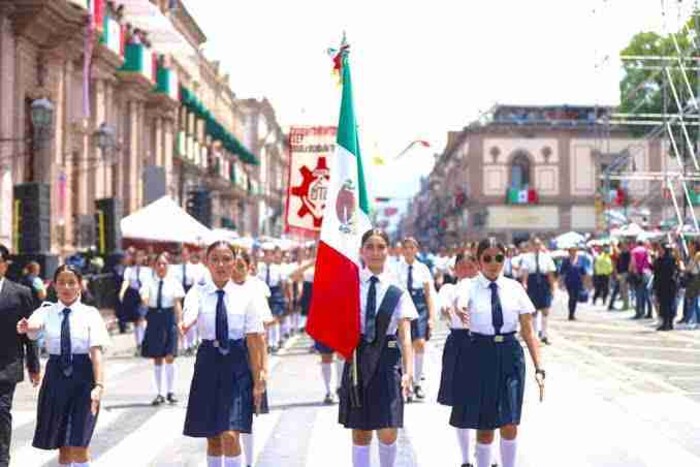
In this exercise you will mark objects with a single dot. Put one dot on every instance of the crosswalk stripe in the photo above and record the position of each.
(141, 446)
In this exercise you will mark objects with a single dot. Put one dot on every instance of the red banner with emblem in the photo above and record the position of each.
(310, 152)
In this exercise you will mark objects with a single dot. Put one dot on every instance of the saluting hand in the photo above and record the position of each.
(22, 326)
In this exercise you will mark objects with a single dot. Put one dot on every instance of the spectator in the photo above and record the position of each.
(666, 286)
(602, 270)
(640, 273)
(32, 279)
(621, 277)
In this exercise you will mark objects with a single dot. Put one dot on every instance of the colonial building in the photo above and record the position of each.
(535, 170)
(115, 100)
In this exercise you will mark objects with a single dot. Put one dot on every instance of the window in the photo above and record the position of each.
(520, 172)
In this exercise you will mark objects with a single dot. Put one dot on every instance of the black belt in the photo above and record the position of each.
(392, 342)
(497, 338)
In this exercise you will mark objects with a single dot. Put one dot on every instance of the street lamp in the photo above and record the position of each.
(106, 141)
(41, 113)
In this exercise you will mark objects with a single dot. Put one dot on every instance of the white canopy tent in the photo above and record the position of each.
(569, 239)
(164, 221)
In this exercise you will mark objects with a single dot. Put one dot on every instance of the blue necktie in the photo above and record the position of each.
(371, 310)
(410, 278)
(66, 355)
(267, 275)
(496, 309)
(159, 297)
(221, 323)
(184, 275)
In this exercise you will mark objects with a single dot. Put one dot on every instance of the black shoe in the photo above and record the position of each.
(545, 341)
(171, 398)
(418, 391)
(159, 400)
(329, 400)
(274, 349)
(647, 316)
(572, 318)
(409, 399)
(468, 465)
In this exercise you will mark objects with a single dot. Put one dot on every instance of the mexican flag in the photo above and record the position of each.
(334, 317)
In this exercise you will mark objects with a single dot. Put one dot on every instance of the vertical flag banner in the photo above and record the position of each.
(310, 152)
(334, 317)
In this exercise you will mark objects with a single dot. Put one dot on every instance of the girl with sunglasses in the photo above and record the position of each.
(373, 385)
(493, 397)
(455, 370)
(417, 279)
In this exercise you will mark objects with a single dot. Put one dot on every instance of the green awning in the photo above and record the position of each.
(215, 129)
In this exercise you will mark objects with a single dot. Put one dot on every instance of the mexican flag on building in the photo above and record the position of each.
(334, 317)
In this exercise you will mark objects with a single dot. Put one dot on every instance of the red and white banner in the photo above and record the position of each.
(310, 153)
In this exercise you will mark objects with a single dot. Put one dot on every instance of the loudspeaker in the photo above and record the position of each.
(32, 208)
(107, 218)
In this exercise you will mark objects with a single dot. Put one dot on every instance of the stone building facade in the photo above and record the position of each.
(135, 73)
(534, 170)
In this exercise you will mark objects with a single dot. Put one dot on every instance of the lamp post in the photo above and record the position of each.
(41, 115)
(106, 142)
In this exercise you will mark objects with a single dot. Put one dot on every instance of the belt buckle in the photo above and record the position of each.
(216, 344)
(392, 344)
(498, 339)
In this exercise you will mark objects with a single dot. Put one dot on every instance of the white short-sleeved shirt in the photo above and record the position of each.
(477, 294)
(529, 264)
(172, 291)
(278, 274)
(138, 276)
(404, 310)
(309, 274)
(263, 292)
(87, 328)
(192, 273)
(421, 275)
(450, 298)
(243, 307)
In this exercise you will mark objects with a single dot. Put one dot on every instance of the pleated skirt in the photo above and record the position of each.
(64, 415)
(419, 327)
(539, 291)
(221, 393)
(277, 301)
(382, 400)
(457, 366)
(494, 396)
(161, 335)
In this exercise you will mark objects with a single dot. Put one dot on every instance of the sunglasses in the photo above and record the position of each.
(499, 258)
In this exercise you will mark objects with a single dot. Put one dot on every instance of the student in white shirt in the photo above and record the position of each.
(274, 276)
(71, 390)
(228, 380)
(495, 306)
(537, 269)
(455, 377)
(190, 271)
(418, 281)
(374, 384)
(135, 277)
(162, 296)
(242, 276)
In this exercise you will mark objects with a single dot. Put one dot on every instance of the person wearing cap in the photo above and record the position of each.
(15, 304)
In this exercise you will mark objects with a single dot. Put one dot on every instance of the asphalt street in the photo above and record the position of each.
(618, 393)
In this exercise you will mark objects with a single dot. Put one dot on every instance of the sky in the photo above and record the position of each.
(423, 68)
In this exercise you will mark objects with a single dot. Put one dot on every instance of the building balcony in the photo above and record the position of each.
(167, 83)
(140, 59)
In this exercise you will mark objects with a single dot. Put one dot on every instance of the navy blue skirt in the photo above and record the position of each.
(539, 290)
(64, 415)
(322, 348)
(457, 366)
(494, 397)
(419, 327)
(160, 339)
(306, 293)
(382, 400)
(277, 301)
(132, 307)
(221, 393)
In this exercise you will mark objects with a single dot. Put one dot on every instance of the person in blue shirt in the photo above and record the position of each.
(573, 272)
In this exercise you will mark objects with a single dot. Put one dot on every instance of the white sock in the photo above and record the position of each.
(81, 464)
(463, 438)
(508, 452)
(158, 374)
(537, 323)
(276, 334)
(170, 377)
(483, 455)
(326, 369)
(360, 456)
(302, 322)
(387, 454)
(136, 335)
(418, 362)
(285, 325)
(339, 365)
(295, 321)
(214, 461)
(248, 445)
(544, 326)
(233, 461)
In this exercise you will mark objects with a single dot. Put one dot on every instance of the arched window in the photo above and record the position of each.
(520, 172)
